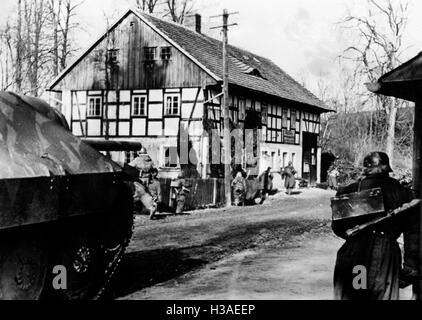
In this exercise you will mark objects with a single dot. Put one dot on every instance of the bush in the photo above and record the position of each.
(404, 176)
(348, 173)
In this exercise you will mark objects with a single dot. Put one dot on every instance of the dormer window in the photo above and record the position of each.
(165, 53)
(256, 73)
(246, 68)
(149, 53)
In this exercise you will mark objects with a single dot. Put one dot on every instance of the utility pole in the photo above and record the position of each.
(225, 106)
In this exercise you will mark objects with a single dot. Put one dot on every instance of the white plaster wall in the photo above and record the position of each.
(155, 148)
(319, 165)
(67, 105)
(266, 162)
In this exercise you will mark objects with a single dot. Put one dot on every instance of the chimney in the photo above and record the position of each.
(193, 22)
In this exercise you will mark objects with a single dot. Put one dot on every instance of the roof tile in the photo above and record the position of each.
(208, 51)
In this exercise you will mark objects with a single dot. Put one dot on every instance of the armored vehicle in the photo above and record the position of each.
(65, 209)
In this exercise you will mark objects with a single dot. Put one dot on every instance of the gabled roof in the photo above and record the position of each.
(208, 51)
(246, 69)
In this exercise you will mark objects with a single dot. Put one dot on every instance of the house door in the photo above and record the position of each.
(309, 165)
(273, 161)
(251, 142)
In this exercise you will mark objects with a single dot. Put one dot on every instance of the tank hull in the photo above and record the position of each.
(62, 205)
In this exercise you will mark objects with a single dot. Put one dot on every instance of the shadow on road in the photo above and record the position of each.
(139, 270)
(142, 269)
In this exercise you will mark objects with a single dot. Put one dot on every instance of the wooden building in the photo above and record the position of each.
(405, 82)
(152, 81)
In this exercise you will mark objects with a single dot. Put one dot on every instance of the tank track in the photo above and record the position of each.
(114, 262)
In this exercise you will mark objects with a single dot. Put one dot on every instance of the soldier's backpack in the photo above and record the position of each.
(367, 207)
(369, 203)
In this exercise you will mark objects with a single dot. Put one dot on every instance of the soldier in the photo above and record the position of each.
(266, 181)
(144, 164)
(374, 250)
(239, 189)
(181, 189)
(332, 178)
(289, 177)
(154, 188)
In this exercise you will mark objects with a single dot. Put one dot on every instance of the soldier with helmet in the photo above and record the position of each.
(375, 248)
(144, 164)
(154, 187)
(180, 189)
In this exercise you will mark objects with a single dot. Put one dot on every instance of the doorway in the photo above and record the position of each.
(309, 165)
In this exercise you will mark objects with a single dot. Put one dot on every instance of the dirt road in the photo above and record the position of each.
(283, 249)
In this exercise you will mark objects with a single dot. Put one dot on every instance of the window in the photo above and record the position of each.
(170, 157)
(253, 105)
(149, 53)
(214, 113)
(165, 53)
(172, 104)
(139, 105)
(285, 111)
(293, 158)
(311, 123)
(293, 119)
(242, 111)
(112, 55)
(274, 124)
(264, 114)
(234, 115)
(95, 106)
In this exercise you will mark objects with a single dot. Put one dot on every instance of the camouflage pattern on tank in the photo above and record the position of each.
(62, 203)
(34, 142)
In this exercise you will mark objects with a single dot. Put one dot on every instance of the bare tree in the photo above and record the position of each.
(378, 50)
(174, 10)
(36, 44)
(6, 58)
(19, 49)
(55, 21)
(147, 5)
(177, 10)
(61, 14)
(36, 16)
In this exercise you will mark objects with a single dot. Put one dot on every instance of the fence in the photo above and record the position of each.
(204, 193)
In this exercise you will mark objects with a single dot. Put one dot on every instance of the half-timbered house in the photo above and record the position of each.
(152, 81)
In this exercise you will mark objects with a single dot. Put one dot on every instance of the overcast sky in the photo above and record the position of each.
(301, 36)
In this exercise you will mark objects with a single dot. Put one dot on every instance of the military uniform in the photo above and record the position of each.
(154, 188)
(239, 189)
(376, 247)
(182, 189)
(289, 178)
(266, 181)
(144, 164)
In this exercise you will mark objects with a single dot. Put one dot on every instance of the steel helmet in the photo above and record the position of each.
(142, 151)
(378, 160)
